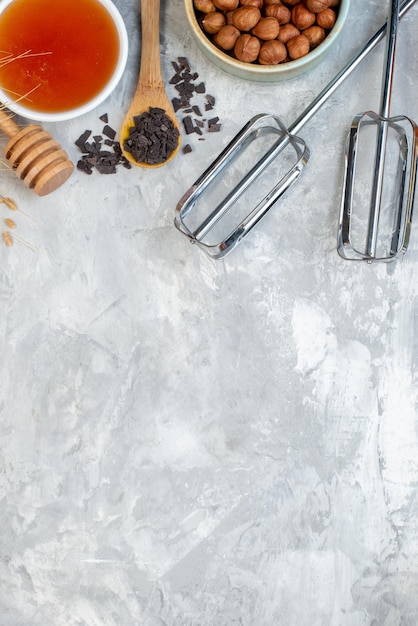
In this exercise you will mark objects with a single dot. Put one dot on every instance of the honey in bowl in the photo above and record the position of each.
(56, 55)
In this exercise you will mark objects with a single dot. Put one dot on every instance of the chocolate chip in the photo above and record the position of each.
(176, 78)
(200, 88)
(185, 83)
(213, 125)
(188, 125)
(152, 138)
(80, 142)
(95, 156)
(176, 104)
(84, 166)
(109, 132)
(184, 63)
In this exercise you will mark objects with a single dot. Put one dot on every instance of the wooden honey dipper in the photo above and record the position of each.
(38, 160)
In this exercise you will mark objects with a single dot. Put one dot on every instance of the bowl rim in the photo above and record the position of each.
(68, 114)
(255, 70)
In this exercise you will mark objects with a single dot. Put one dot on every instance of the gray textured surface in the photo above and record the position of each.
(195, 443)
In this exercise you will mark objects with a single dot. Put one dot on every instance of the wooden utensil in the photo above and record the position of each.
(150, 90)
(38, 160)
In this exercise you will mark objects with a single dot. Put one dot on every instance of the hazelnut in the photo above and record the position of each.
(247, 48)
(267, 28)
(315, 34)
(226, 5)
(206, 6)
(266, 31)
(226, 37)
(298, 47)
(228, 16)
(252, 3)
(287, 31)
(279, 11)
(213, 22)
(326, 18)
(302, 17)
(317, 5)
(245, 18)
(272, 53)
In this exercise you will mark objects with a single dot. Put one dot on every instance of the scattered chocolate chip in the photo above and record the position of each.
(188, 124)
(152, 138)
(91, 148)
(84, 166)
(95, 156)
(81, 141)
(187, 148)
(185, 84)
(185, 90)
(200, 88)
(109, 132)
(176, 78)
(104, 118)
(213, 125)
(184, 63)
(176, 102)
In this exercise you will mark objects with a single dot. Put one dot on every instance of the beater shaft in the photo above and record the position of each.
(377, 187)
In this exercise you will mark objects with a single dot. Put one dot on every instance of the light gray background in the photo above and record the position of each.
(187, 442)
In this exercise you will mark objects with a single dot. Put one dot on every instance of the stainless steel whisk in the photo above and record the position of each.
(375, 220)
(282, 139)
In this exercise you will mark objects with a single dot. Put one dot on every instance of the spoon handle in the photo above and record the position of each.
(150, 71)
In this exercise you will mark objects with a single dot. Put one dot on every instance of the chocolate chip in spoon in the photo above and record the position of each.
(150, 106)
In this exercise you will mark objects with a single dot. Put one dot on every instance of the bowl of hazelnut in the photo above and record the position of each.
(266, 40)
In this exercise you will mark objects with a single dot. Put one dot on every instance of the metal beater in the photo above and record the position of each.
(391, 144)
(267, 129)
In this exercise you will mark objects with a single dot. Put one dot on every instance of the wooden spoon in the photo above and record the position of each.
(38, 160)
(150, 90)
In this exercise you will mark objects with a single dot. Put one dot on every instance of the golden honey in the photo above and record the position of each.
(63, 51)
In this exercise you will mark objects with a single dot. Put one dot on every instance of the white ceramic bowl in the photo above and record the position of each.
(96, 100)
(265, 73)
